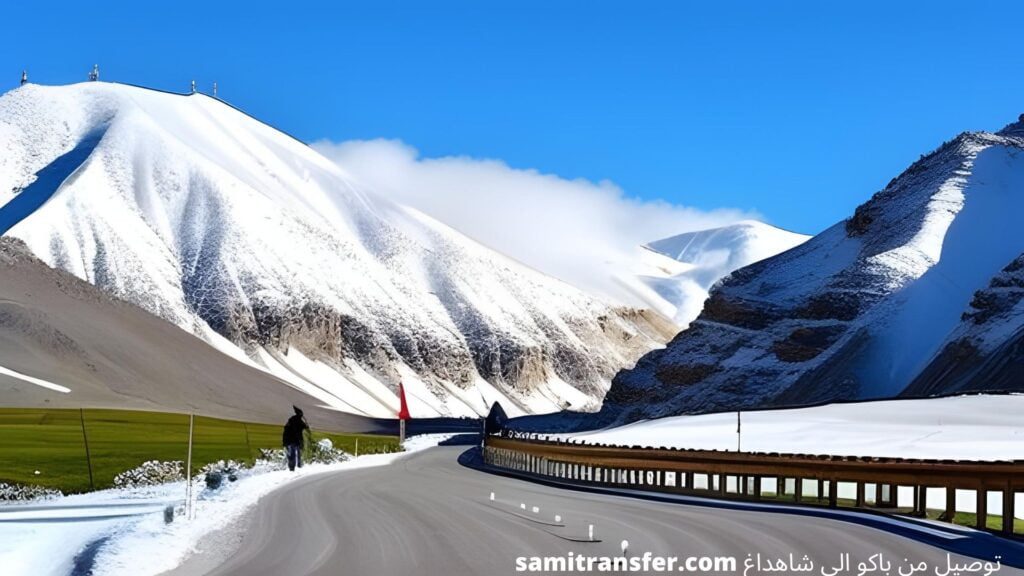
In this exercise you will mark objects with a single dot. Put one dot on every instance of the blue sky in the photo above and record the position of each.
(796, 110)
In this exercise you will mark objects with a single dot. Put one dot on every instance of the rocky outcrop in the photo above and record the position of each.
(986, 352)
(848, 314)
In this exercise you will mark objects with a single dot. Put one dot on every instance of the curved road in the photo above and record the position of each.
(426, 514)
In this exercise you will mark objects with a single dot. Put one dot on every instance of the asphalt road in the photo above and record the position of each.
(426, 514)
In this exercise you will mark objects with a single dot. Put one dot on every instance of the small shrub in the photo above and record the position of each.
(215, 473)
(271, 460)
(151, 473)
(324, 452)
(26, 493)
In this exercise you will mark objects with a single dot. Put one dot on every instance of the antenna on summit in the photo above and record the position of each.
(24, 77)
(95, 74)
(214, 89)
(193, 87)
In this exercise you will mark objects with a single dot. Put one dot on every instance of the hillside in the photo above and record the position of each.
(66, 344)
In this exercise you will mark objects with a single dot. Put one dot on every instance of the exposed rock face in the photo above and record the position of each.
(986, 352)
(860, 310)
(110, 353)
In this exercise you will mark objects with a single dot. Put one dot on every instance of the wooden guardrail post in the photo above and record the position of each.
(894, 495)
(920, 500)
(981, 509)
(950, 512)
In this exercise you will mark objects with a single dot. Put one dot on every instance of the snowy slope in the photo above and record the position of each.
(707, 256)
(248, 238)
(859, 311)
(966, 427)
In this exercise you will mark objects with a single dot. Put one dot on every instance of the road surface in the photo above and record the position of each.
(426, 514)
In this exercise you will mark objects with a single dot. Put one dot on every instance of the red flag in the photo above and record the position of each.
(403, 412)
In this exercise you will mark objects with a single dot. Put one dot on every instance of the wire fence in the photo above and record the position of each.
(79, 450)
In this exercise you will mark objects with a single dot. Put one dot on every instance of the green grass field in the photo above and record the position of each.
(992, 521)
(51, 442)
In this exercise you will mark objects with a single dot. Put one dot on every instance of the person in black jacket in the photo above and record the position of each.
(292, 438)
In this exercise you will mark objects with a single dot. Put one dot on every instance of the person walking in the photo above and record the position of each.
(292, 438)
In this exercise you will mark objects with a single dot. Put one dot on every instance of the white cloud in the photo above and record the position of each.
(582, 232)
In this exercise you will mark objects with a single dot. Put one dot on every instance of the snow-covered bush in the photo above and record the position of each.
(320, 452)
(324, 452)
(271, 460)
(215, 473)
(26, 492)
(150, 473)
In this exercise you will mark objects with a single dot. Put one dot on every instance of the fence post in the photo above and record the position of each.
(88, 456)
(188, 469)
(248, 446)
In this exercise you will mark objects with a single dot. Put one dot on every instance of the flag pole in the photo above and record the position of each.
(403, 414)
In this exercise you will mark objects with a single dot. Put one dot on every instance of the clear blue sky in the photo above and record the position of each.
(799, 110)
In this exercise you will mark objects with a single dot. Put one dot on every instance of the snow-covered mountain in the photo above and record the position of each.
(248, 238)
(919, 292)
(706, 256)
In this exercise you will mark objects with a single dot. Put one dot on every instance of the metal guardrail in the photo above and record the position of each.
(799, 479)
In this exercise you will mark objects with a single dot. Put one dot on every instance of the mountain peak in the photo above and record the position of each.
(745, 235)
(1014, 129)
(706, 256)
